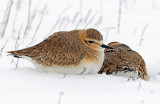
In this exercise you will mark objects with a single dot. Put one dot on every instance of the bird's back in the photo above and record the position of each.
(58, 49)
(122, 57)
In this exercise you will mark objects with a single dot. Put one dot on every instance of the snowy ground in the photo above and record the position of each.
(27, 85)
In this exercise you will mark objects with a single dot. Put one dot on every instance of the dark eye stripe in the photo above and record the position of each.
(90, 41)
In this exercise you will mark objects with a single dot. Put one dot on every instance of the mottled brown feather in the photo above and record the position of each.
(62, 48)
(122, 57)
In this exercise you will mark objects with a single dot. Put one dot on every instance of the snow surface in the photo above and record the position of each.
(28, 85)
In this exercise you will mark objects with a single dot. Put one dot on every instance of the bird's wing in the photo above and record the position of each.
(111, 57)
(139, 62)
(55, 50)
(118, 59)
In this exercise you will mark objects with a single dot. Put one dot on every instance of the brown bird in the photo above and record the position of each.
(68, 52)
(123, 59)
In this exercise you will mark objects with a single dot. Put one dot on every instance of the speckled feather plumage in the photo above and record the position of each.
(121, 58)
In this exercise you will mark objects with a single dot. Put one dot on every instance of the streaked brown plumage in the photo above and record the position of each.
(123, 58)
(67, 50)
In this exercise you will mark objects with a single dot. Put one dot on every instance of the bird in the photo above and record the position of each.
(67, 52)
(122, 59)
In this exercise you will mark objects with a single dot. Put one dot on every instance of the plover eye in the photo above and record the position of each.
(90, 41)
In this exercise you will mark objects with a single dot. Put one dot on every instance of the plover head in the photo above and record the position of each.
(93, 39)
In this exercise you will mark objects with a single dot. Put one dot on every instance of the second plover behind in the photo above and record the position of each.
(123, 61)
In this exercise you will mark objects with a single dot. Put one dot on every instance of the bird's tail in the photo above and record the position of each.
(145, 75)
(15, 54)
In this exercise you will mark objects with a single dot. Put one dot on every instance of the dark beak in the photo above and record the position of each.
(105, 46)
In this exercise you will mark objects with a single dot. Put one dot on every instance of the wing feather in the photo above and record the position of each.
(55, 50)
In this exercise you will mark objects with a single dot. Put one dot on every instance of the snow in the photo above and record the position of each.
(28, 85)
